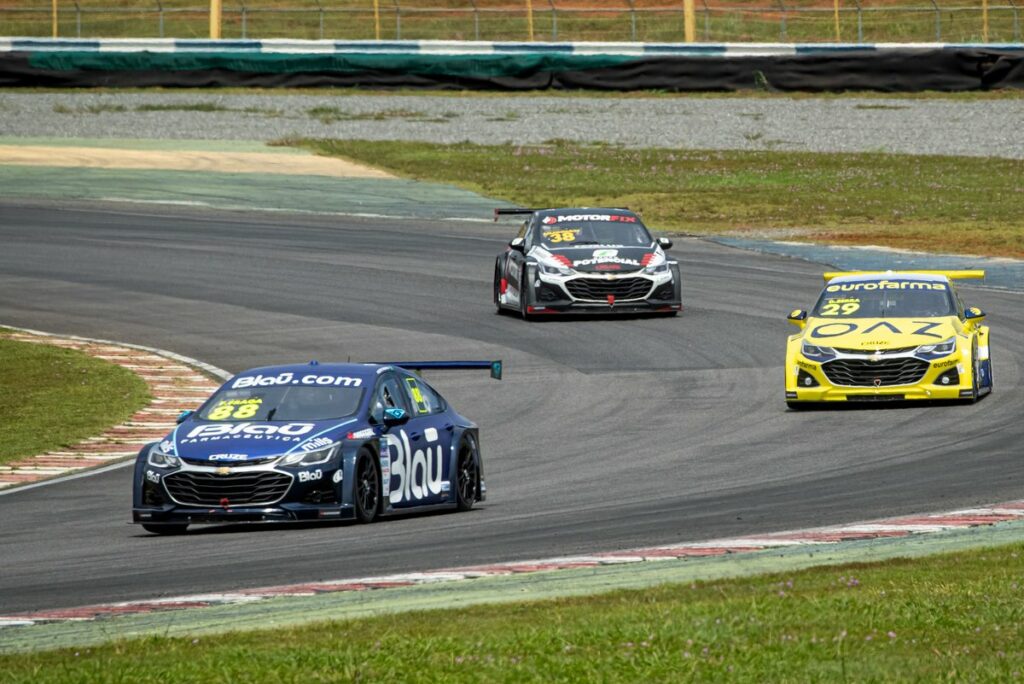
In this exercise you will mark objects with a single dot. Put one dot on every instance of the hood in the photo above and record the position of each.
(878, 333)
(245, 442)
(606, 258)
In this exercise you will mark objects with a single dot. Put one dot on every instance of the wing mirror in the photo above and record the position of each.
(664, 243)
(518, 244)
(395, 416)
(974, 316)
(183, 416)
(797, 317)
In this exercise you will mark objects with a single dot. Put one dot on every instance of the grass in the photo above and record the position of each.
(930, 203)
(329, 115)
(653, 20)
(52, 397)
(954, 617)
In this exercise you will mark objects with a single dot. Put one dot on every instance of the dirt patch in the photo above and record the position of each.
(224, 162)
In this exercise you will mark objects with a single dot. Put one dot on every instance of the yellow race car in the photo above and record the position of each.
(888, 336)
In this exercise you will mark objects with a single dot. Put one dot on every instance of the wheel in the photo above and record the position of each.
(497, 288)
(367, 487)
(164, 529)
(524, 293)
(466, 476)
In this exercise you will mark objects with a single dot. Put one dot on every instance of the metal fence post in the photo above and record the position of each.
(78, 19)
(782, 23)
(398, 21)
(632, 20)
(860, 22)
(476, 20)
(554, 20)
(160, 17)
(707, 21)
(938, 22)
(245, 20)
(320, 9)
(1016, 22)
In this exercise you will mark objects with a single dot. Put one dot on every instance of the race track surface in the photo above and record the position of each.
(605, 434)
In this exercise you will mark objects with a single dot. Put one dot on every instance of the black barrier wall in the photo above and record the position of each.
(895, 70)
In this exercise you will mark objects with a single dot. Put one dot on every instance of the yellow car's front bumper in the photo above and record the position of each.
(807, 381)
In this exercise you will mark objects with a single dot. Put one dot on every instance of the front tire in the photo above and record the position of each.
(497, 288)
(165, 529)
(366, 493)
(467, 476)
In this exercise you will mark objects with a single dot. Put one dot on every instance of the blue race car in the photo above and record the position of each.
(313, 442)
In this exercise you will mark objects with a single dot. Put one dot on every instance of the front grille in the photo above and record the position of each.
(874, 397)
(869, 352)
(598, 290)
(248, 461)
(887, 372)
(240, 489)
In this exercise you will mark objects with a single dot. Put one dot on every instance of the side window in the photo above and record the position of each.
(388, 394)
(959, 303)
(528, 233)
(424, 399)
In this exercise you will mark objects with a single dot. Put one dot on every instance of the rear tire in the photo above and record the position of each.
(525, 287)
(467, 476)
(165, 529)
(366, 490)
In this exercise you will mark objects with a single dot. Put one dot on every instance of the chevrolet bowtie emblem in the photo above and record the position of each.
(223, 471)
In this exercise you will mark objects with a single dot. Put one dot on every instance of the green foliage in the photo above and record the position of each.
(52, 397)
(930, 203)
(956, 617)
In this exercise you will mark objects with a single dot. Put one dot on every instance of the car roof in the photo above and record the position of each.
(892, 275)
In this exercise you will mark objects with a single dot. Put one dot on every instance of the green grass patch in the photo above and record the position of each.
(52, 397)
(953, 617)
(930, 203)
(329, 115)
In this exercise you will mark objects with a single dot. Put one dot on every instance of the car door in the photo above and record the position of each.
(419, 451)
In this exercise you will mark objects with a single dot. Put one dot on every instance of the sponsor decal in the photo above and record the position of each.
(608, 267)
(338, 475)
(317, 443)
(842, 306)
(227, 457)
(289, 378)
(310, 475)
(886, 285)
(839, 329)
(944, 364)
(446, 487)
(361, 434)
(289, 432)
(167, 446)
(555, 236)
(548, 220)
(804, 364)
(417, 396)
(413, 475)
(153, 477)
(606, 260)
(605, 253)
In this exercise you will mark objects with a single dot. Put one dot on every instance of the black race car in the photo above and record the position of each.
(585, 261)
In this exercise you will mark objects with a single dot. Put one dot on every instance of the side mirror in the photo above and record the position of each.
(518, 244)
(974, 316)
(395, 416)
(664, 243)
(797, 317)
(183, 416)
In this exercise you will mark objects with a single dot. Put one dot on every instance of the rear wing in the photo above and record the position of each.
(512, 212)
(952, 275)
(494, 366)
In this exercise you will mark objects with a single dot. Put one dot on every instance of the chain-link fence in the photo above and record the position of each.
(584, 20)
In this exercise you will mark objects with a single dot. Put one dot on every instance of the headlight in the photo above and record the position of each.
(810, 350)
(555, 270)
(308, 458)
(660, 268)
(159, 459)
(944, 347)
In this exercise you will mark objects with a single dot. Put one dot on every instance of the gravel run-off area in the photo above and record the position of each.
(953, 126)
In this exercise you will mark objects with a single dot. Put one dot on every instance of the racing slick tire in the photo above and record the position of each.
(975, 368)
(467, 475)
(366, 490)
(165, 529)
(497, 288)
(525, 290)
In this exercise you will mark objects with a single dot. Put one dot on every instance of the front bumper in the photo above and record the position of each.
(943, 379)
(188, 515)
(626, 293)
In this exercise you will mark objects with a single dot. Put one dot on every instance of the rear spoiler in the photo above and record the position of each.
(952, 275)
(512, 212)
(494, 366)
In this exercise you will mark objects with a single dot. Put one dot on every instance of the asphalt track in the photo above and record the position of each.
(606, 434)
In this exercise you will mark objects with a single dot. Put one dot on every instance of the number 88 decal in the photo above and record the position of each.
(227, 410)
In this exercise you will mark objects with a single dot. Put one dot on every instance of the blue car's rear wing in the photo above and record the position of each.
(494, 366)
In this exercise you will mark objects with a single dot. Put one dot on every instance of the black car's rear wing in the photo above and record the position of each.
(494, 366)
(512, 212)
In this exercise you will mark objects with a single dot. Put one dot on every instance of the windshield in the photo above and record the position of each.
(282, 403)
(886, 299)
(621, 232)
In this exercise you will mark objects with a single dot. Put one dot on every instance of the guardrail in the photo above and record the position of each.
(770, 20)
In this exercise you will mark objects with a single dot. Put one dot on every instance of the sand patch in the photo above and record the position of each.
(223, 162)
